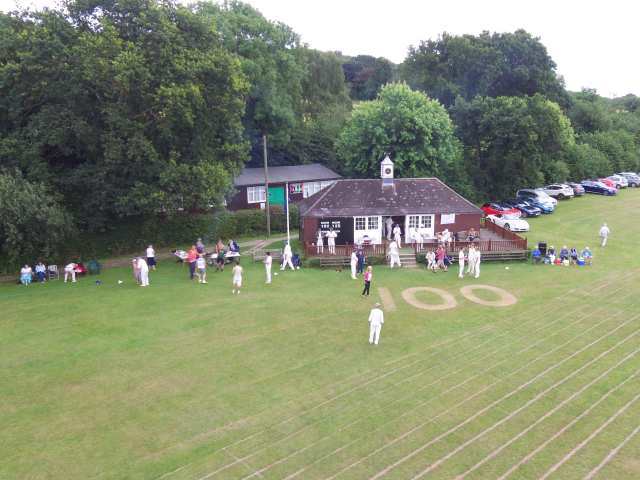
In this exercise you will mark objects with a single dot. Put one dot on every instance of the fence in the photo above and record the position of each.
(311, 250)
(508, 241)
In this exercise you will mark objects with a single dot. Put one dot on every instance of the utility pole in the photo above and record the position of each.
(266, 183)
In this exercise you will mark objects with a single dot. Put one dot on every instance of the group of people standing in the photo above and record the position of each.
(331, 236)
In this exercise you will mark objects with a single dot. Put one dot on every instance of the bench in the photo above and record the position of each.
(259, 255)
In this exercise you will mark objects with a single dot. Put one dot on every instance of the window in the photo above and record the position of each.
(425, 221)
(295, 188)
(256, 194)
(413, 221)
(373, 223)
(447, 218)
(361, 223)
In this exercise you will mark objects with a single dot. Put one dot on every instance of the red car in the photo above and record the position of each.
(608, 183)
(497, 209)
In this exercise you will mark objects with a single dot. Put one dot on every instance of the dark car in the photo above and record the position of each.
(578, 190)
(598, 188)
(526, 208)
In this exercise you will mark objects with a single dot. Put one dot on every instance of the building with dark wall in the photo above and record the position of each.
(359, 208)
(301, 181)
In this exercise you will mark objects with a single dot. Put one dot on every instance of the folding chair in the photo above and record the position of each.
(52, 272)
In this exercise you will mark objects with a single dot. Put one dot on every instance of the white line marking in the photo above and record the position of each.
(581, 445)
(488, 407)
(540, 447)
(612, 454)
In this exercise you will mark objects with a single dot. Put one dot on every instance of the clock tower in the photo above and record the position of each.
(386, 171)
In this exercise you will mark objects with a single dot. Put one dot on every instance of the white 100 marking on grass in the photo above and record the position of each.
(505, 299)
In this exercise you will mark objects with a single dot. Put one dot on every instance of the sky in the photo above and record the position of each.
(594, 43)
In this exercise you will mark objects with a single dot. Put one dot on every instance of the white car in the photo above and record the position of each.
(619, 180)
(559, 191)
(509, 222)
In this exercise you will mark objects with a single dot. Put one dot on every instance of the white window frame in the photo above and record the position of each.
(372, 223)
(364, 224)
(423, 223)
(257, 190)
(414, 221)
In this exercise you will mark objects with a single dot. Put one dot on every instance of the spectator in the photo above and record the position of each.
(361, 261)
(573, 255)
(192, 256)
(26, 275)
(200, 246)
(536, 255)
(201, 269)
(41, 272)
(430, 258)
(151, 257)
(368, 276)
(587, 255)
(564, 253)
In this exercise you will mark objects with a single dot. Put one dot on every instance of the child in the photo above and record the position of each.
(25, 275)
(237, 278)
(368, 276)
(201, 269)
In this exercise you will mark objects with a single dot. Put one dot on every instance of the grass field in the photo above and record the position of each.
(187, 381)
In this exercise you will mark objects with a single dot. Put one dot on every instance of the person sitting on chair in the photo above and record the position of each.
(536, 255)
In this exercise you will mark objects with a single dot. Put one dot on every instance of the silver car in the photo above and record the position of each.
(559, 191)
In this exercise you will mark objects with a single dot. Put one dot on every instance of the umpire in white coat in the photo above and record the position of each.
(376, 319)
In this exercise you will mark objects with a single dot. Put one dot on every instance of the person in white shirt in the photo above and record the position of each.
(143, 268)
(237, 278)
(476, 267)
(417, 238)
(151, 257)
(41, 272)
(461, 263)
(446, 235)
(431, 260)
(604, 234)
(70, 271)
(471, 258)
(331, 241)
(397, 234)
(268, 260)
(201, 268)
(320, 243)
(287, 254)
(26, 274)
(389, 224)
(376, 319)
(394, 254)
(354, 264)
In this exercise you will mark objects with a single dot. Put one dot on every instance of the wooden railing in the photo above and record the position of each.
(311, 250)
(508, 241)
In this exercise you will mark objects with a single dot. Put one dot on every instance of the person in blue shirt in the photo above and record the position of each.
(564, 253)
(587, 255)
(536, 255)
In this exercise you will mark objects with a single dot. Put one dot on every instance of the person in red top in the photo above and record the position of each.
(192, 257)
(368, 275)
(440, 254)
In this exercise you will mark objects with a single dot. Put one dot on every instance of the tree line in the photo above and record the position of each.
(118, 109)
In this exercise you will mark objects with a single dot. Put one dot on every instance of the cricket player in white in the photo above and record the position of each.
(394, 254)
(320, 243)
(476, 266)
(267, 266)
(604, 234)
(201, 269)
(70, 271)
(286, 257)
(376, 319)
(397, 233)
(354, 264)
(331, 241)
(389, 223)
(143, 268)
(237, 278)
(461, 263)
(471, 259)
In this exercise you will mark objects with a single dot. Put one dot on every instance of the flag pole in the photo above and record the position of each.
(286, 193)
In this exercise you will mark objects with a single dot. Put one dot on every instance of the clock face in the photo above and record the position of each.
(387, 171)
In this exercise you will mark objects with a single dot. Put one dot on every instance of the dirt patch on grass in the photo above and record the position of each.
(448, 300)
(505, 299)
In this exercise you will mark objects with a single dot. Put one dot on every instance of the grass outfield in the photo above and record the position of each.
(187, 381)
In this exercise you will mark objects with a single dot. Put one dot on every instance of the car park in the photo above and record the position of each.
(633, 179)
(509, 222)
(525, 207)
(598, 188)
(619, 181)
(578, 190)
(495, 208)
(559, 191)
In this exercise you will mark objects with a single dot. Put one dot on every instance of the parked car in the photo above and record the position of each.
(578, 190)
(609, 183)
(559, 191)
(497, 209)
(598, 187)
(525, 207)
(619, 181)
(510, 222)
(536, 195)
(633, 179)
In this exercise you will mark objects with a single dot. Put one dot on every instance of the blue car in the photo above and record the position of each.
(544, 207)
(525, 207)
(598, 188)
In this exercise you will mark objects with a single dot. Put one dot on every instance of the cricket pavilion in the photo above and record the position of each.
(360, 211)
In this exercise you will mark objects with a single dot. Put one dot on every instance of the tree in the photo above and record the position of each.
(499, 64)
(365, 75)
(588, 112)
(33, 224)
(414, 130)
(106, 101)
(513, 142)
(618, 146)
